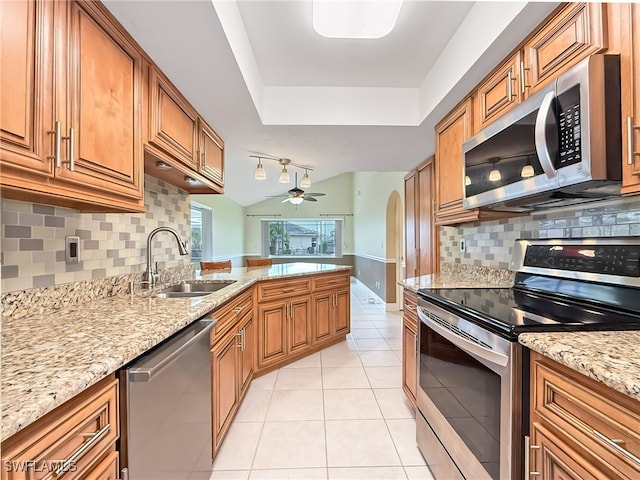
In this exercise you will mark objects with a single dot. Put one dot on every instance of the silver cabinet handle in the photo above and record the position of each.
(527, 460)
(615, 444)
(238, 309)
(523, 84)
(631, 128)
(57, 139)
(72, 150)
(244, 338)
(510, 94)
(82, 449)
(411, 308)
(239, 335)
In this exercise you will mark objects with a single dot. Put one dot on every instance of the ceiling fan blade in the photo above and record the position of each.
(314, 194)
(309, 199)
(286, 200)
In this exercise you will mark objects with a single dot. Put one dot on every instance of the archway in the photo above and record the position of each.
(394, 254)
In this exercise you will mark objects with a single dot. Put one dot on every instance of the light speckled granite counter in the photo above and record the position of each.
(48, 359)
(608, 357)
(453, 280)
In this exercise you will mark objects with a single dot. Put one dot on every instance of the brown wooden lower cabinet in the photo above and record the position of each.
(86, 426)
(409, 345)
(580, 428)
(331, 311)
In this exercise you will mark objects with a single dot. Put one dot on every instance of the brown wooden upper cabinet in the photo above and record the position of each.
(71, 87)
(571, 34)
(179, 137)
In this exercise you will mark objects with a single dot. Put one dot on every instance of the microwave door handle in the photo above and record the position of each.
(545, 117)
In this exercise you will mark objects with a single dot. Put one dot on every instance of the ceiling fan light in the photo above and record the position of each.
(527, 171)
(306, 181)
(296, 200)
(260, 174)
(284, 176)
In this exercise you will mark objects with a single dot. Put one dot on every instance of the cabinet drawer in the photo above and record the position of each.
(81, 430)
(272, 290)
(598, 419)
(410, 305)
(322, 282)
(229, 314)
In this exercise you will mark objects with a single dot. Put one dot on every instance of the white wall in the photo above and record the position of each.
(338, 202)
(228, 225)
(371, 193)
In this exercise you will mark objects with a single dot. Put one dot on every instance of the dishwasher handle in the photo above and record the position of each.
(150, 366)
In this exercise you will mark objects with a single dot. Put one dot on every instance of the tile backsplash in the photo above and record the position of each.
(489, 244)
(33, 239)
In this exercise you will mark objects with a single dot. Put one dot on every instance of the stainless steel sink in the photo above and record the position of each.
(193, 289)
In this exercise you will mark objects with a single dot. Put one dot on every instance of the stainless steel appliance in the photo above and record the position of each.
(560, 146)
(167, 422)
(472, 393)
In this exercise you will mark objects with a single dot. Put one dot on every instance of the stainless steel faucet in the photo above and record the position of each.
(150, 275)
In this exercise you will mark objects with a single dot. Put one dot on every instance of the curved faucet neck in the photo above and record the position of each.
(150, 275)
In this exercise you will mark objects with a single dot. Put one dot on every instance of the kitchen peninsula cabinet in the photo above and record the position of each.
(71, 117)
(83, 430)
(232, 352)
(410, 345)
(580, 428)
(179, 137)
(331, 307)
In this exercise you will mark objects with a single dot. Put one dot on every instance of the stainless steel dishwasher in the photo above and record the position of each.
(167, 421)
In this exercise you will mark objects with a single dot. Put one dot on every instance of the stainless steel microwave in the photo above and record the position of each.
(561, 146)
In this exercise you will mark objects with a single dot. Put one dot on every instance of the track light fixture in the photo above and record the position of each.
(284, 177)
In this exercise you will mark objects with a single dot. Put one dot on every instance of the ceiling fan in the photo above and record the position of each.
(296, 195)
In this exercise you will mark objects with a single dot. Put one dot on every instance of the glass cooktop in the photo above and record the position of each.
(542, 303)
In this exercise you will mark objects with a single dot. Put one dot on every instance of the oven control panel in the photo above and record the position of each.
(623, 260)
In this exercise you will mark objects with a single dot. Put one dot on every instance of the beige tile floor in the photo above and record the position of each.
(337, 414)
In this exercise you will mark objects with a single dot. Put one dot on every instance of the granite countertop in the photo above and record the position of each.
(452, 280)
(608, 357)
(48, 359)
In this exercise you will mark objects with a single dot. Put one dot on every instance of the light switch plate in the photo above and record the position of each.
(72, 249)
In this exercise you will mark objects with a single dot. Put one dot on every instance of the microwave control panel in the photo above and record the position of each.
(568, 114)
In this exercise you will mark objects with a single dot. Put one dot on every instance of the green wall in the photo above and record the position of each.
(228, 225)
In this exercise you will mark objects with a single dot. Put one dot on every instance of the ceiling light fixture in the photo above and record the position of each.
(260, 174)
(296, 200)
(284, 177)
(355, 18)
(306, 181)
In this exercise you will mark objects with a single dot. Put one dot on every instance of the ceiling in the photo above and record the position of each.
(268, 83)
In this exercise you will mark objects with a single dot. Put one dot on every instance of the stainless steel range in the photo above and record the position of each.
(472, 373)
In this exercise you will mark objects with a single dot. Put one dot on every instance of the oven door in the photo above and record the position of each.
(468, 397)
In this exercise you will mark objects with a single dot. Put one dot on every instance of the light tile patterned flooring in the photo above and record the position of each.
(337, 414)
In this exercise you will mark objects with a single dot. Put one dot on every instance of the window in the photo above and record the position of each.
(302, 238)
(201, 233)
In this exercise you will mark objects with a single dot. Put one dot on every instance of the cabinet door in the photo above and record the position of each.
(409, 371)
(299, 324)
(173, 125)
(104, 104)
(427, 232)
(499, 93)
(245, 369)
(211, 154)
(450, 135)
(630, 78)
(322, 306)
(577, 31)
(411, 231)
(342, 313)
(272, 331)
(224, 385)
(26, 87)
(107, 469)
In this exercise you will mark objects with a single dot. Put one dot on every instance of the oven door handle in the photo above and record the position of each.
(486, 354)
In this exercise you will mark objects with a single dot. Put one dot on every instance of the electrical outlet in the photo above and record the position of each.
(463, 245)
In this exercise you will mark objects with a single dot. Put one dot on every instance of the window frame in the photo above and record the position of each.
(265, 241)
